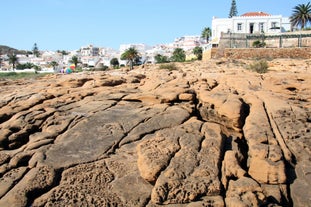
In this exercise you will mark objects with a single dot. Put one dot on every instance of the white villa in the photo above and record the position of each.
(250, 23)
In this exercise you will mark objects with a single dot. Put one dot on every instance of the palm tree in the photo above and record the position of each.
(13, 59)
(74, 60)
(130, 54)
(206, 33)
(301, 15)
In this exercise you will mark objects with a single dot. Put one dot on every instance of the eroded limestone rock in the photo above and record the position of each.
(150, 137)
(244, 192)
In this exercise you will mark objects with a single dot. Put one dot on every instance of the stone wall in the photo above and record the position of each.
(249, 53)
(287, 45)
(283, 40)
(209, 54)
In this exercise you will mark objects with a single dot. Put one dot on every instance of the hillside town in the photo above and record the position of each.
(92, 56)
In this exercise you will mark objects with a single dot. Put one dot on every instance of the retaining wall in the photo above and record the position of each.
(250, 53)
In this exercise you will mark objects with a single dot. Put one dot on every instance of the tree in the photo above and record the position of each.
(13, 59)
(74, 60)
(114, 62)
(35, 50)
(63, 52)
(179, 55)
(198, 51)
(233, 9)
(301, 15)
(25, 66)
(54, 64)
(161, 58)
(131, 54)
(0, 58)
(206, 33)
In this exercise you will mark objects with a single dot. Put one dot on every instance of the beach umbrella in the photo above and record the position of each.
(68, 71)
(72, 66)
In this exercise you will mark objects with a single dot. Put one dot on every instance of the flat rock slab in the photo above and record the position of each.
(208, 134)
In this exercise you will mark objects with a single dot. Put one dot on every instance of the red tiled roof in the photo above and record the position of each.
(255, 14)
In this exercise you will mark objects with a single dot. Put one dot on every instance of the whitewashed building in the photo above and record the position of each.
(161, 49)
(89, 50)
(187, 42)
(141, 48)
(250, 23)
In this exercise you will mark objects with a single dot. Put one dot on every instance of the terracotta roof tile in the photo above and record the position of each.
(255, 14)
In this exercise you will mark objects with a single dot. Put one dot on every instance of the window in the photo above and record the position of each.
(251, 28)
(239, 26)
(261, 27)
(274, 25)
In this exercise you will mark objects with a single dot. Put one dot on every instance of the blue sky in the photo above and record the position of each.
(70, 24)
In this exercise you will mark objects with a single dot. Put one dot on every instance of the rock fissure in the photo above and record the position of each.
(198, 136)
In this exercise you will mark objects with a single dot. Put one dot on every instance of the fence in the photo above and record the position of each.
(284, 40)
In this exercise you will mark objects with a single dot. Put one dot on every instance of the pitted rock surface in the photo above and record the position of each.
(208, 134)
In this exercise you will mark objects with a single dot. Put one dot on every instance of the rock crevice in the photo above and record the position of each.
(208, 134)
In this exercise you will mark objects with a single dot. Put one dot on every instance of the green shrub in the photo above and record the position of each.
(161, 59)
(169, 66)
(14, 75)
(260, 66)
(179, 55)
(78, 69)
(259, 44)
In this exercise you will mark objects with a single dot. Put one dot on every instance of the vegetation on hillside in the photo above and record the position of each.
(9, 50)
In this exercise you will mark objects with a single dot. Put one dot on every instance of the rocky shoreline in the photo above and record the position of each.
(207, 134)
